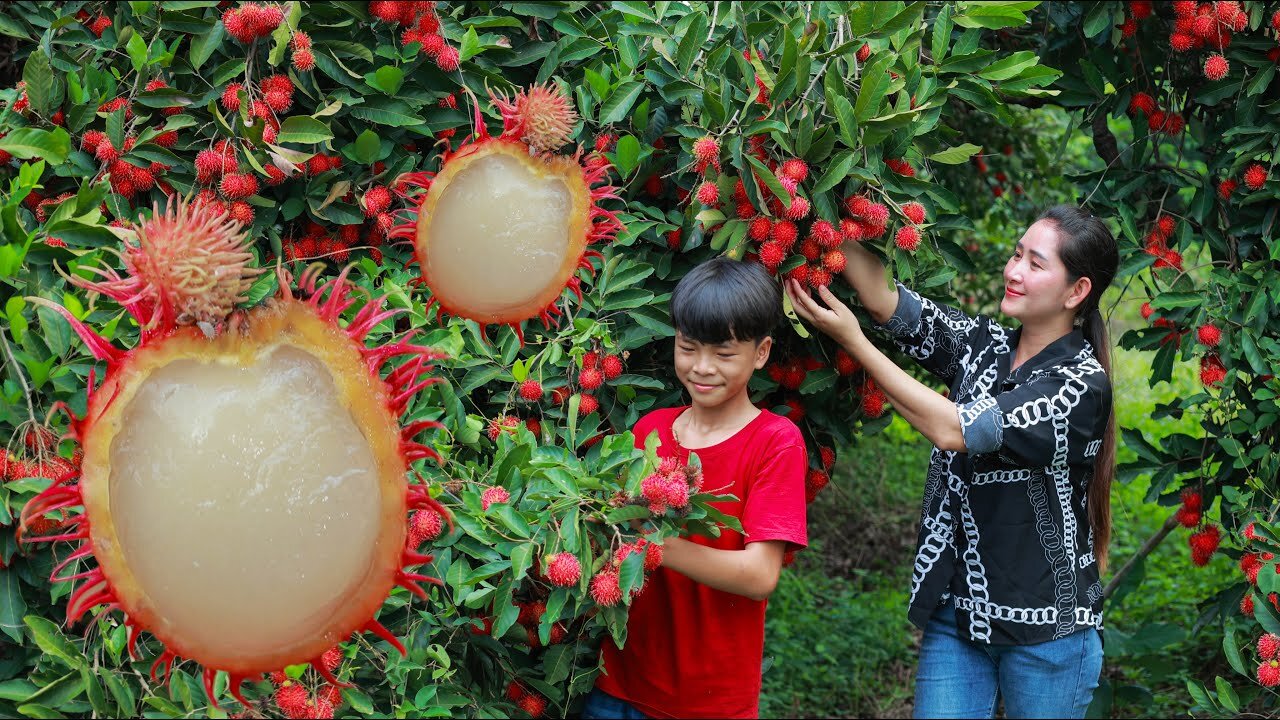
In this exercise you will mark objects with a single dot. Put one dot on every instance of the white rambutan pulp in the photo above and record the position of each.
(504, 232)
(245, 498)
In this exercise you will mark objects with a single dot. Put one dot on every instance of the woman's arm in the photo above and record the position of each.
(751, 572)
(868, 277)
(928, 411)
(933, 415)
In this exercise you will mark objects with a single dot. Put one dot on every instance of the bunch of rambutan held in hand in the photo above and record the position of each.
(671, 486)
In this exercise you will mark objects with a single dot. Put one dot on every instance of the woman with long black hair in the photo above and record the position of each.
(1016, 514)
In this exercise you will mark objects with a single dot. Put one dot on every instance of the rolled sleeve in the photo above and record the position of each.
(905, 321)
(981, 425)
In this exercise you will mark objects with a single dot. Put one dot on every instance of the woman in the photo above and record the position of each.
(1006, 582)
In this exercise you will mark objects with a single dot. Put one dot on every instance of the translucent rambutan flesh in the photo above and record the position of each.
(244, 495)
(503, 229)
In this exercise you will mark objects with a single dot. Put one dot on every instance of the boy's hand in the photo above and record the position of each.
(836, 319)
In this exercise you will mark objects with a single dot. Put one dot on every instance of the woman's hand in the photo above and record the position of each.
(836, 319)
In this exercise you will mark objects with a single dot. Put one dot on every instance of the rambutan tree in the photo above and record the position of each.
(332, 135)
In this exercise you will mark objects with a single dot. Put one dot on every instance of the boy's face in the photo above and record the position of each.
(715, 373)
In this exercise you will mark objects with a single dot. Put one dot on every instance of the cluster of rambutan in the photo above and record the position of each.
(126, 179)
(293, 699)
(1206, 24)
(97, 24)
(1175, 332)
(1268, 647)
(533, 704)
(319, 242)
(1158, 243)
(251, 21)
(38, 459)
(1204, 542)
(670, 486)
(595, 372)
(762, 90)
(1158, 120)
(1251, 563)
(422, 26)
(606, 585)
(999, 180)
(509, 423)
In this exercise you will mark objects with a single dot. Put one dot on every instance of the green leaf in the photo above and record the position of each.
(386, 111)
(387, 78)
(203, 44)
(40, 82)
(303, 129)
(366, 147)
(875, 83)
(52, 642)
(956, 155)
(620, 102)
(908, 17)
(12, 605)
(941, 34)
(137, 49)
(694, 37)
(126, 703)
(1231, 648)
(1098, 19)
(1227, 695)
(360, 702)
(557, 663)
(762, 172)
(836, 172)
(1263, 614)
(53, 146)
(626, 154)
(625, 513)
(1008, 67)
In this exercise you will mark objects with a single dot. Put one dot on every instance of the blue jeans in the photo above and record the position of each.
(959, 678)
(601, 706)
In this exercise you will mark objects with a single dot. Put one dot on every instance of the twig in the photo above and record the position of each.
(1146, 549)
(17, 371)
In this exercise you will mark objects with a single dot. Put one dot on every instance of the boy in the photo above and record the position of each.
(695, 637)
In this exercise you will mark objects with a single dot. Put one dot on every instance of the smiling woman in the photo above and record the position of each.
(1025, 452)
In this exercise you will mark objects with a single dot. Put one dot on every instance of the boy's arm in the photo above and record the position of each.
(751, 572)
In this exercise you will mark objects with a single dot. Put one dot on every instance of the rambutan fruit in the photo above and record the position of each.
(1212, 371)
(907, 238)
(1142, 102)
(1226, 187)
(605, 588)
(785, 233)
(531, 390)
(914, 212)
(772, 256)
(256, 449)
(376, 199)
(1255, 176)
(708, 193)
(799, 208)
(834, 261)
(1216, 67)
(303, 60)
(494, 495)
(796, 169)
(825, 234)
(706, 151)
(819, 276)
(564, 570)
(533, 704)
(1209, 334)
(432, 44)
(590, 378)
(760, 229)
(612, 367)
(426, 524)
(448, 58)
(231, 97)
(502, 228)
(863, 53)
(845, 364)
(587, 404)
(814, 482)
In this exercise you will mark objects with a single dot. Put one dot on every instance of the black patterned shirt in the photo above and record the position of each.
(1004, 527)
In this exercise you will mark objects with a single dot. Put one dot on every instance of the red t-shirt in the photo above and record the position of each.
(693, 651)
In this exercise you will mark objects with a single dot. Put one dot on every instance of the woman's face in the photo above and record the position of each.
(1037, 286)
(714, 374)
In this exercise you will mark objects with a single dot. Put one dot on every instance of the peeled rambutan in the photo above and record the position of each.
(502, 228)
(258, 449)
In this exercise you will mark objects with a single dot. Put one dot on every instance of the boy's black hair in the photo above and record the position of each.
(725, 299)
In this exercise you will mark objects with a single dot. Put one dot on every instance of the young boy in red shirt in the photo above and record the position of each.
(695, 635)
